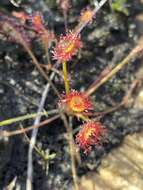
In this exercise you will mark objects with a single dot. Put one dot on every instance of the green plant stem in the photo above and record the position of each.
(40, 152)
(66, 80)
(25, 117)
(21, 131)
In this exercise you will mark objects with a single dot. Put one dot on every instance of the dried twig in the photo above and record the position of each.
(34, 135)
(132, 55)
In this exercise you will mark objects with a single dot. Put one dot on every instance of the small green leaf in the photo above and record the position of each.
(120, 6)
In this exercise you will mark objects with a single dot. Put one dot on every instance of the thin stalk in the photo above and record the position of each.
(46, 49)
(56, 71)
(34, 136)
(40, 152)
(65, 20)
(132, 55)
(72, 150)
(66, 80)
(26, 117)
(48, 56)
(21, 131)
(40, 69)
(73, 164)
(35, 147)
(31, 54)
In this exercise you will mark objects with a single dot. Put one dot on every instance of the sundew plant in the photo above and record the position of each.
(61, 51)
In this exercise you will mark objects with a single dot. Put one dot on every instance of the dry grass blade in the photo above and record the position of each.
(104, 78)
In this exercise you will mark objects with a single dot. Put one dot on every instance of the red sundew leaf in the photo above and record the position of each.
(76, 102)
(91, 134)
(67, 47)
(86, 15)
